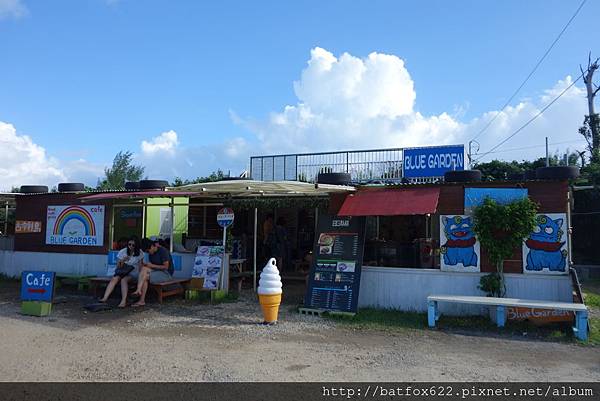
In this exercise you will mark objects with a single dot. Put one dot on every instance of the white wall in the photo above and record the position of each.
(407, 289)
(13, 263)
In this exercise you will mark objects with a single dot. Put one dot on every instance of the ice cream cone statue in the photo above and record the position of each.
(269, 291)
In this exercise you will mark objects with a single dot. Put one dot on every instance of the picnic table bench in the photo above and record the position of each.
(581, 312)
(162, 290)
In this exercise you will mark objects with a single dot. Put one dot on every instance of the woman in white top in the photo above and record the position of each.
(128, 259)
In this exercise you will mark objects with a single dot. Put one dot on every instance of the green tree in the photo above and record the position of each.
(213, 177)
(501, 229)
(122, 170)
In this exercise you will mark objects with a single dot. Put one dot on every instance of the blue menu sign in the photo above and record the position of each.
(433, 161)
(37, 286)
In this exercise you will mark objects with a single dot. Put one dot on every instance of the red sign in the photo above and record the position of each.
(538, 316)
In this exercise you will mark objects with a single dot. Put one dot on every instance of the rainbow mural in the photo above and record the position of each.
(75, 225)
(74, 213)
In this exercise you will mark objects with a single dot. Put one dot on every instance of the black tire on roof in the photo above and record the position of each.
(71, 187)
(557, 172)
(132, 185)
(462, 176)
(153, 184)
(33, 189)
(334, 178)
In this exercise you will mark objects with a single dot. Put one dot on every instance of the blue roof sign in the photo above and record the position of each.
(433, 161)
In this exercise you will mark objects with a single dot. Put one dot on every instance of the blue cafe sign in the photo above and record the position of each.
(37, 286)
(433, 161)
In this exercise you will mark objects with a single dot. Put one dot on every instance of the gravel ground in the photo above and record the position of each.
(180, 341)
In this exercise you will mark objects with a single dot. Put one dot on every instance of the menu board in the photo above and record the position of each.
(207, 265)
(334, 277)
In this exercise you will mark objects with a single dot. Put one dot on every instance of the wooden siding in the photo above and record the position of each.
(35, 208)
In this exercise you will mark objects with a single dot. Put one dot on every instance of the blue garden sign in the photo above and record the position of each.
(433, 161)
(37, 286)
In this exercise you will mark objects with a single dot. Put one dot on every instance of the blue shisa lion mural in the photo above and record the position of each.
(545, 248)
(460, 241)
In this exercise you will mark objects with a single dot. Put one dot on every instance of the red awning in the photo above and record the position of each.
(391, 202)
(136, 194)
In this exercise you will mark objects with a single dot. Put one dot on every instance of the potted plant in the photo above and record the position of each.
(501, 229)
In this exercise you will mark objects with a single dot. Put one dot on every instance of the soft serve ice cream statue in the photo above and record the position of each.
(269, 291)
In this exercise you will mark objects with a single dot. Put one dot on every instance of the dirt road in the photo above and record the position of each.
(183, 342)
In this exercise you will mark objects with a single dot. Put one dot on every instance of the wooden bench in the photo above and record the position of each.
(162, 290)
(238, 278)
(581, 311)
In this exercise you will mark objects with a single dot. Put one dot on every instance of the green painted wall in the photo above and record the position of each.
(153, 217)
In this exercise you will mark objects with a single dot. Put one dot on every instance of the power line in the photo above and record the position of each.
(529, 147)
(531, 73)
(530, 120)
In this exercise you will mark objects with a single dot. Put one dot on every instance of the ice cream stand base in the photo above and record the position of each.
(205, 295)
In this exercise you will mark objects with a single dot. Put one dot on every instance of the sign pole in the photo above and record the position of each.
(223, 267)
(225, 218)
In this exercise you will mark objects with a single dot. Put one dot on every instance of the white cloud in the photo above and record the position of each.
(164, 143)
(12, 8)
(348, 102)
(164, 158)
(22, 162)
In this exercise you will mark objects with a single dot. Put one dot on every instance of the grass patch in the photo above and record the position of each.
(594, 338)
(387, 319)
(382, 319)
(591, 300)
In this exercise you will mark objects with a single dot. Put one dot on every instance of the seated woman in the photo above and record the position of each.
(128, 259)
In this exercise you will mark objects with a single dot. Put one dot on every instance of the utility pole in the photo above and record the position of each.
(547, 154)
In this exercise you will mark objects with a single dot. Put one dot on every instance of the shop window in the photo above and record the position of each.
(402, 241)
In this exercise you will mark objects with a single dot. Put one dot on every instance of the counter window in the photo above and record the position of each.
(402, 241)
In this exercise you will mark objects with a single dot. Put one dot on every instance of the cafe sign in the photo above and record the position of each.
(37, 286)
(75, 225)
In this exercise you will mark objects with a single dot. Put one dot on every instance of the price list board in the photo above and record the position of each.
(334, 277)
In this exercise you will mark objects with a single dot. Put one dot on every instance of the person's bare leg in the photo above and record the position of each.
(142, 300)
(110, 287)
(142, 277)
(124, 288)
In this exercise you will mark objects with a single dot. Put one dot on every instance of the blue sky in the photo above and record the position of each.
(84, 79)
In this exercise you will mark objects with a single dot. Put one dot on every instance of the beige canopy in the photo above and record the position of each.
(252, 188)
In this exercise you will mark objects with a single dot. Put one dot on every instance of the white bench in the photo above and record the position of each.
(581, 311)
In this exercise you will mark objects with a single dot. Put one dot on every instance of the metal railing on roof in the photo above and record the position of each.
(362, 165)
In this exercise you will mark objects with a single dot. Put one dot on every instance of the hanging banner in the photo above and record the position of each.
(460, 250)
(546, 249)
(75, 225)
(334, 278)
(432, 161)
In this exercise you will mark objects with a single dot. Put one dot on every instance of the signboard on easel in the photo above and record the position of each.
(334, 278)
(37, 292)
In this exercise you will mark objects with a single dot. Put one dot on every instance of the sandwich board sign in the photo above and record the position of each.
(37, 292)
